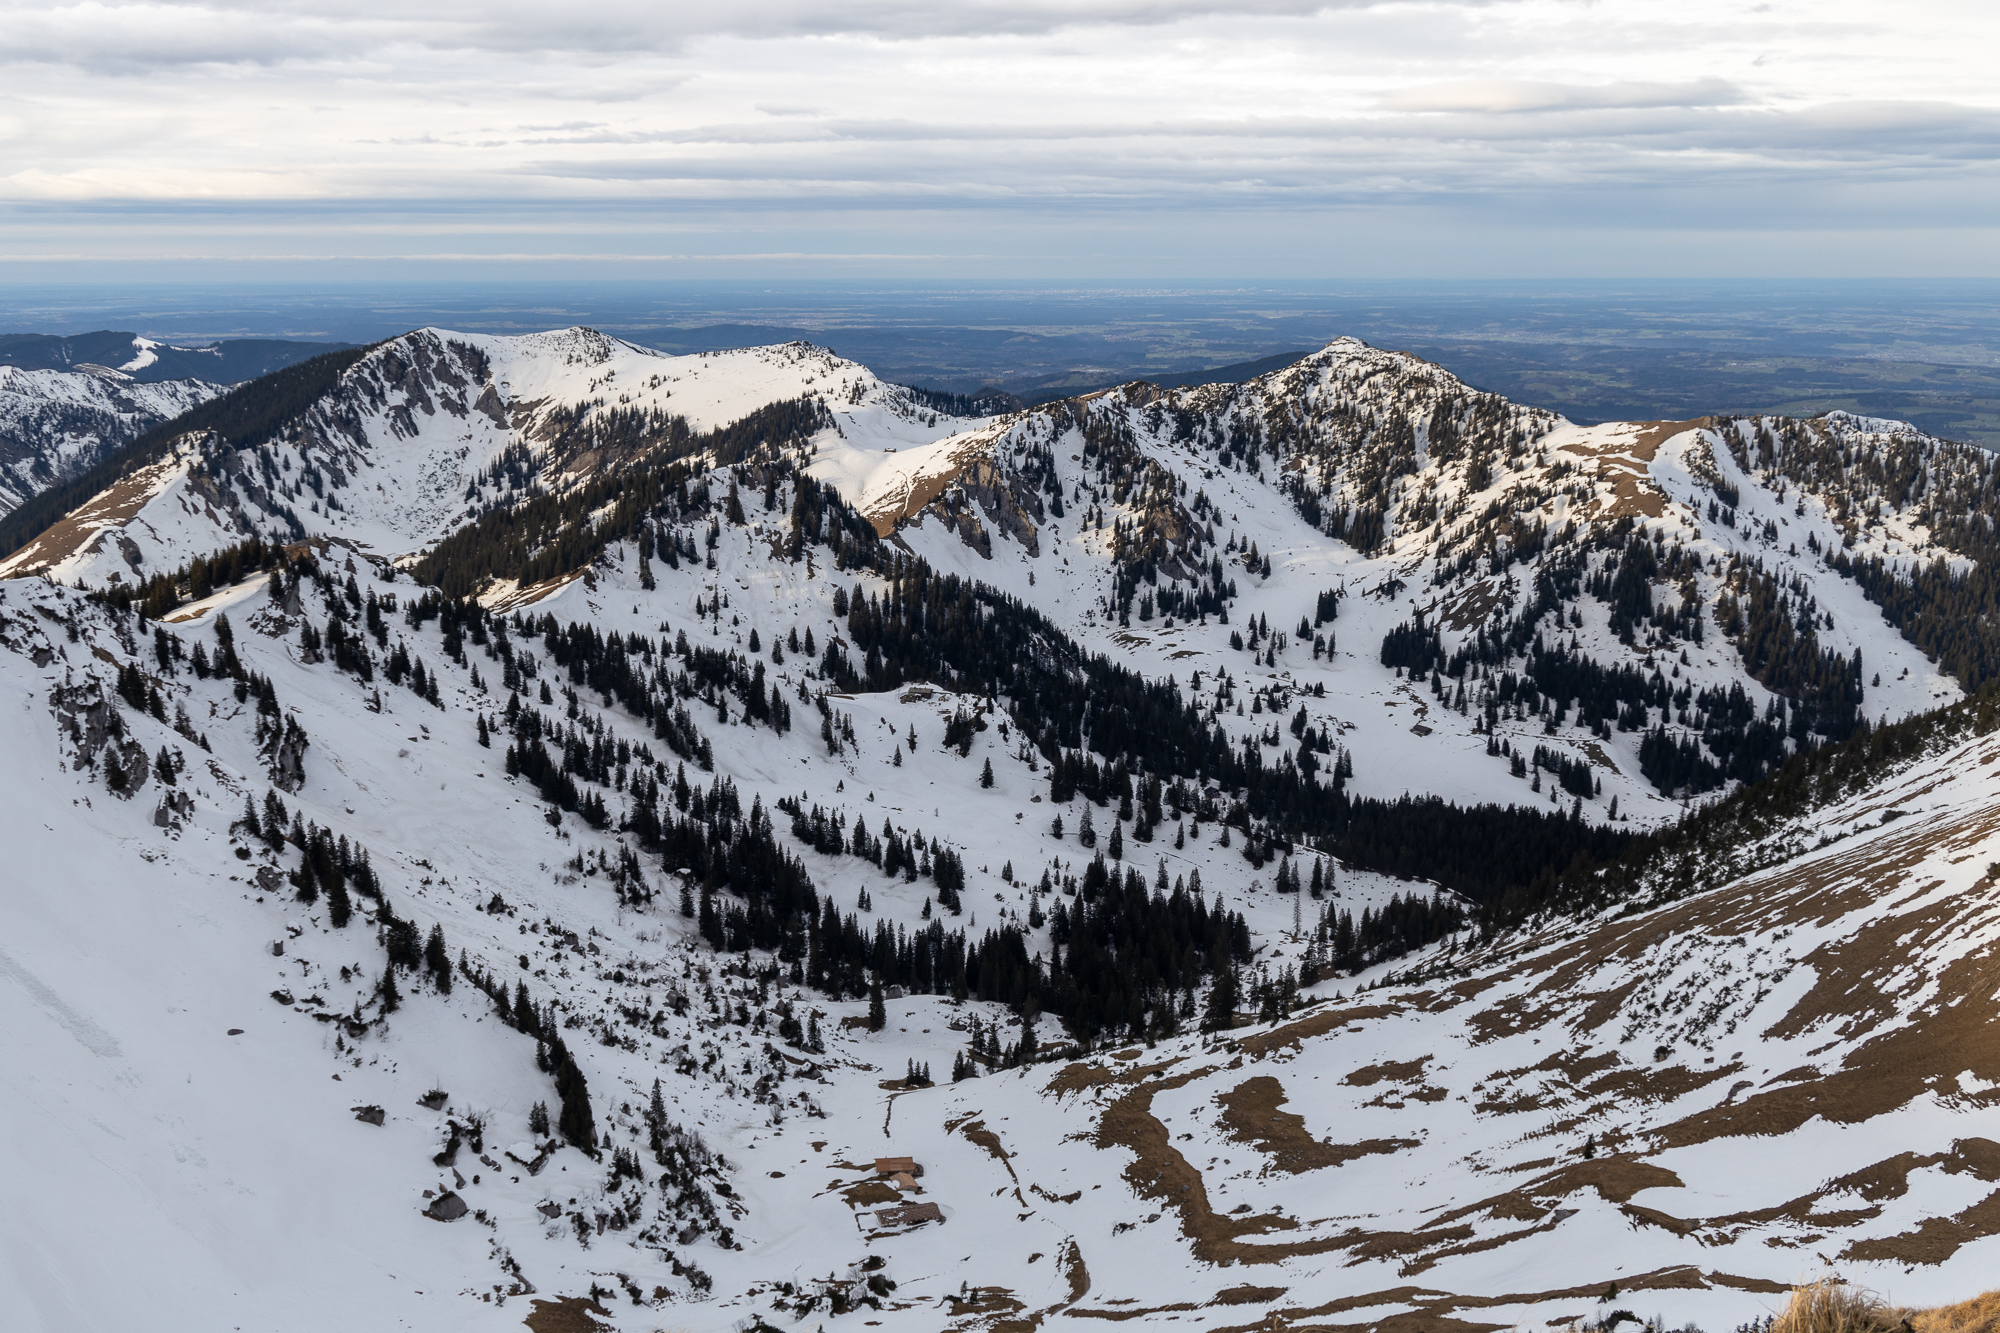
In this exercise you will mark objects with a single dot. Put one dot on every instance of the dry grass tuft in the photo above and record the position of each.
(1981, 1314)
(1835, 1307)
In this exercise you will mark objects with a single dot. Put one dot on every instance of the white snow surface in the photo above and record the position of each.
(145, 353)
(225, 1181)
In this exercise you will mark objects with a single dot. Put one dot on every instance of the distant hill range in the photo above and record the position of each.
(225, 361)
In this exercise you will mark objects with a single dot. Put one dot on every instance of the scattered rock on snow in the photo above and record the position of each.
(374, 1115)
(447, 1207)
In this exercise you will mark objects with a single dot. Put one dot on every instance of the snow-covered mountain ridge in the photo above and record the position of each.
(56, 423)
(1415, 503)
(638, 798)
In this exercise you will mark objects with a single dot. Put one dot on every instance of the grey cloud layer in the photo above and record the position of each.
(1502, 96)
(1751, 114)
(124, 37)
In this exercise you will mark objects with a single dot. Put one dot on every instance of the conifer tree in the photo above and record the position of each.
(275, 819)
(1222, 998)
(656, 1125)
(437, 959)
(339, 907)
(574, 1118)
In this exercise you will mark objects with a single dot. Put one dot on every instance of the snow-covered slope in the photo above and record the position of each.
(427, 430)
(1372, 477)
(1768, 1050)
(55, 424)
(1467, 522)
(1693, 1107)
(131, 963)
(1714, 1092)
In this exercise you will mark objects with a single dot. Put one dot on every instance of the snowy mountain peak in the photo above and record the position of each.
(1392, 828)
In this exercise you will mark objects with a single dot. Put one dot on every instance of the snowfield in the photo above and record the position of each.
(1694, 1099)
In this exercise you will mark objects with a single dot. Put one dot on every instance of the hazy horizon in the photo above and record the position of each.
(1927, 351)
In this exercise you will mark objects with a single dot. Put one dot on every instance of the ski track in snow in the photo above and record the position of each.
(92, 1037)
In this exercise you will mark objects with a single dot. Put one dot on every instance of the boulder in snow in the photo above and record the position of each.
(447, 1207)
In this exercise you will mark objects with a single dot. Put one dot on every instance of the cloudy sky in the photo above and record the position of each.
(1173, 139)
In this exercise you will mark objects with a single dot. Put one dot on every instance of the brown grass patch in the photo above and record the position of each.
(1512, 1206)
(1250, 1113)
(1936, 1239)
(1622, 461)
(1401, 1071)
(977, 1133)
(1762, 1286)
(1071, 1259)
(1159, 1172)
(1317, 1024)
(1081, 1076)
(1657, 1083)
(1679, 1226)
(993, 1303)
(1434, 1309)
(1616, 1179)
(567, 1314)
(870, 1192)
(1956, 1030)
(1248, 1295)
